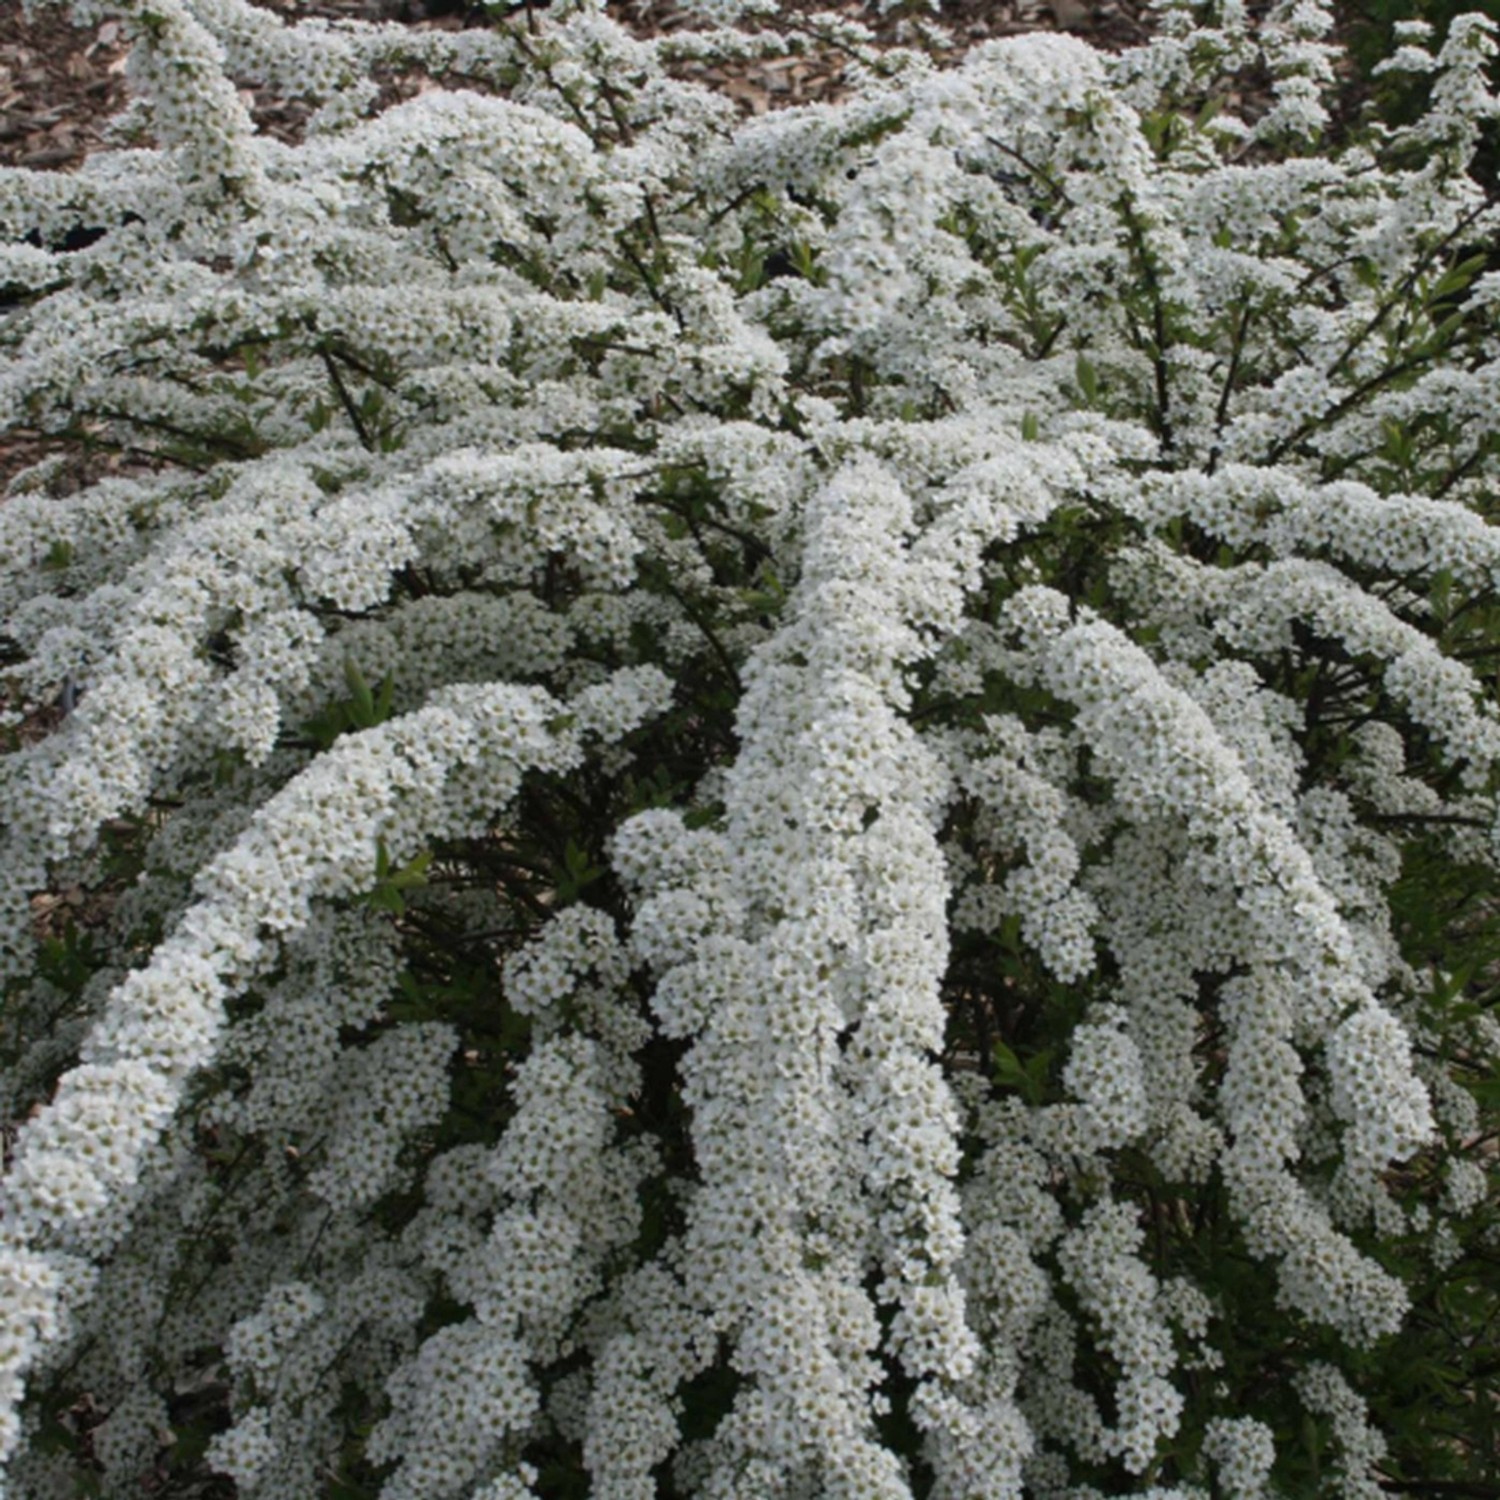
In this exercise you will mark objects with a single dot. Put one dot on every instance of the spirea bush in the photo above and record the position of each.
(759, 808)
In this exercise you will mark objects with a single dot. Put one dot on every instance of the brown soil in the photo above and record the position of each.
(59, 84)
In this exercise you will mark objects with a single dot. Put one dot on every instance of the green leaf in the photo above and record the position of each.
(578, 872)
(1036, 1075)
(412, 874)
(1397, 441)
(1087, 379)
(752, 270)
(1443, 333)
(387, 898)
(1007, 1064)
(1456, 278)
(391, 880)
(359, 690)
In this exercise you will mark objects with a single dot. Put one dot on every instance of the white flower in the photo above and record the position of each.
(605, 662)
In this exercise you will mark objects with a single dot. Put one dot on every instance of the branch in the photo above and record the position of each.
(345, 399)
(1221, 414)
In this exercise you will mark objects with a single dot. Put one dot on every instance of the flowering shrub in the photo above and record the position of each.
(793, 807)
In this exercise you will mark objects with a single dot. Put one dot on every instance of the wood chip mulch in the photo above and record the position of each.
(59, 85)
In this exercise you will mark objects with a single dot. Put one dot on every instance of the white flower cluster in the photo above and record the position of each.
(1242, 1450)
(1101, 1262)
(1104, 1072)
(465, 1393)
(1326, 1393)
(31, 1284)
(769, 807)
(1056, 917)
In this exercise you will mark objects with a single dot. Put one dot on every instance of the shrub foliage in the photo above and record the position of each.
(755, 808)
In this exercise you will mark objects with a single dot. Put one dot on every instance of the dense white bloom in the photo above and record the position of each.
(806, 804)
(1104, 1072)
(244, 1450)
(1243, 1451)
(1324, 1391)
(451, 1407)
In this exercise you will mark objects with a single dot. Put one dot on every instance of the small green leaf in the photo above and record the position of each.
(385, 692)
(752, 270)
(1456, 278)
(1087, 379)
(411, 875)
(391, 880)
(578, 872)
(387, 898)
(1445, 330)
(359, 690)
(1007, 1064)
(1036, 1076)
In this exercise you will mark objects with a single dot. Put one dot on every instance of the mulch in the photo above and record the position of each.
(59, 85)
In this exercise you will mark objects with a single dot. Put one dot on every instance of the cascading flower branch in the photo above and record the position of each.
(750, 808)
